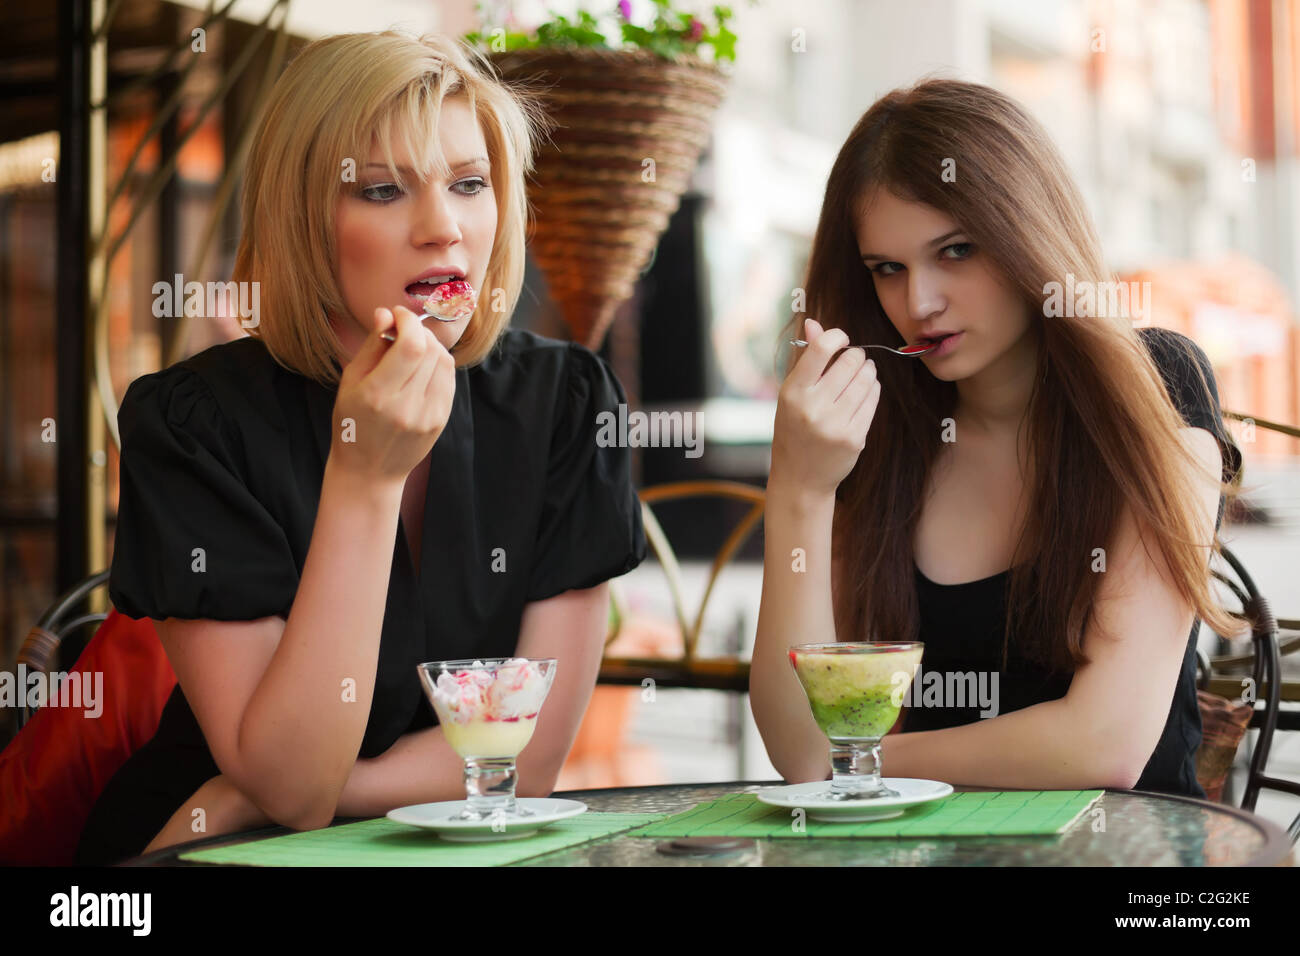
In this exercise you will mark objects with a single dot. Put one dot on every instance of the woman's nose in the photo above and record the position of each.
(924, 295)
(435, 221)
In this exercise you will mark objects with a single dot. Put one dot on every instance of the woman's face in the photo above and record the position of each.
(930, 279)
(386, 239)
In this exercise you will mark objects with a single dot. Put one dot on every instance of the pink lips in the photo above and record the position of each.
(946, 345)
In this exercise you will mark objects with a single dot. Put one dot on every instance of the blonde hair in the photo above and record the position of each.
(338, 98)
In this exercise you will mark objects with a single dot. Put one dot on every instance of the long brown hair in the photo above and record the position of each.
(1101, 430)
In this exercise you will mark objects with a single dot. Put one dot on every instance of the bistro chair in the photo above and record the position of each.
(1226, 719)
(41, 646)
(688, 669)
(54, 770)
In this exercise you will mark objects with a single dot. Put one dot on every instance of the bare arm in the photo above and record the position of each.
(269, 694)
(795, 608)
(823, 415)
(1103, 731)
(571, 628)
(422, 767)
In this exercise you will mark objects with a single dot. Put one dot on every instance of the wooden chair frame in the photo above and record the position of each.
(689, 670)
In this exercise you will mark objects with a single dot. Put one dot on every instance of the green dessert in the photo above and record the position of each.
(855, 693)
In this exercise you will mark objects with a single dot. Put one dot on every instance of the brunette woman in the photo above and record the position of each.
(1036, 500)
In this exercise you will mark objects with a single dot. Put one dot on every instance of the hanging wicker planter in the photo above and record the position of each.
(599, 206)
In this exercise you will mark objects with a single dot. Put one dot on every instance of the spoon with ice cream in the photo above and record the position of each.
(446, 301)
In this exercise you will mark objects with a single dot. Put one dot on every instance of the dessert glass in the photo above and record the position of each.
(488, 711)
(855, 691)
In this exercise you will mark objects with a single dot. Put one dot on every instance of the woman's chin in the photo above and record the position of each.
(948, 371)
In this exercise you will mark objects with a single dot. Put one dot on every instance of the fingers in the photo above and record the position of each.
(821, 348)
(847, 369)
(414, 387)
(400, 364)
(372, 349)
(866, 408)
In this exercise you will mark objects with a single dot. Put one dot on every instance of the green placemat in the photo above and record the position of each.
(381, 842)
(992, 813)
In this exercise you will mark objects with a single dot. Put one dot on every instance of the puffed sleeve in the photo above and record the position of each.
(1189, 380)
(590, 528)
(191, 541)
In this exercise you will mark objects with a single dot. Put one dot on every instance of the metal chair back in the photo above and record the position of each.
(41, 646)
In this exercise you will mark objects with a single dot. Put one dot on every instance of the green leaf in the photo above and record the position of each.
(635, 34)
(668, 34)
(724, 44)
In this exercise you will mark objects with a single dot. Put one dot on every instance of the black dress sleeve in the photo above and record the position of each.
(590, 528)
(192, 541)
(1189, 380)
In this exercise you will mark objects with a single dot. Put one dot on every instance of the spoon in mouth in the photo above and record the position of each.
(907, 351)
(450, 302)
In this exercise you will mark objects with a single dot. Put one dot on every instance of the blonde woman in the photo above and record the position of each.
(310, 512)
(1036, 500)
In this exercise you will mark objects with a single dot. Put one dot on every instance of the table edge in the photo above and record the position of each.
(1276, 850)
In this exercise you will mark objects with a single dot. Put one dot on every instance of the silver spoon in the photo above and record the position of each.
(916, 354)
(391, 337)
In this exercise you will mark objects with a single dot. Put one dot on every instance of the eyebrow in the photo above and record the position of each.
(933, 242)
(476, 161)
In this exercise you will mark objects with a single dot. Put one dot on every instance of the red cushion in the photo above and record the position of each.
(52, 773)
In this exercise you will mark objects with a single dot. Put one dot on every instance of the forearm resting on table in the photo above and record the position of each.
(423, 768)
(1048, 746)
(420, 767)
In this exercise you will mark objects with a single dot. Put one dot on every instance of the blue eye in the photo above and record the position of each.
(472, 182)
(958, 250)
(366, 192)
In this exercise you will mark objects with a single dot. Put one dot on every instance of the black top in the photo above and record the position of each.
(226, 451)
(962, 624)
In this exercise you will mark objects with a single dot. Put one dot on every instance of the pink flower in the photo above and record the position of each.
(625, 8)
(697, 29)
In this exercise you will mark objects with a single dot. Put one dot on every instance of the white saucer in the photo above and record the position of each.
(440, 817)
(911, 792)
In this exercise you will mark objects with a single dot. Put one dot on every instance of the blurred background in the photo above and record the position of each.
(1178, 118)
